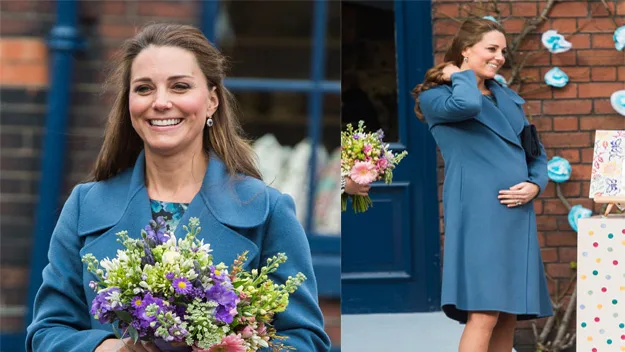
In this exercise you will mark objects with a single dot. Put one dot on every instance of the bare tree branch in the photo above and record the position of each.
(607, 8)
(559, 341)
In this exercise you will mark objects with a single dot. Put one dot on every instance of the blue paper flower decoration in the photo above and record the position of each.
(558, 169)
(556, 78)
(578, 212)
(617, 99)
(619, 38)
(501, 79)
(490, 18)
(555, 42)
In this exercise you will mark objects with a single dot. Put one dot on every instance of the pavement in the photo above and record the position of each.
(410, 332)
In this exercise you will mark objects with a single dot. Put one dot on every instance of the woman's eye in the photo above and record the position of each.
(181, 86)
(142, 89)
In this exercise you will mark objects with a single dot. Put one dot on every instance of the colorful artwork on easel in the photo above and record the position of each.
(608, 165)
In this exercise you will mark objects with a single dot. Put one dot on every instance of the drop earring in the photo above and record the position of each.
(209, 121)
(466, 59)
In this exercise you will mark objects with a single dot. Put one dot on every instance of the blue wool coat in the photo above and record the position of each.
(492, 259)
(236, 215)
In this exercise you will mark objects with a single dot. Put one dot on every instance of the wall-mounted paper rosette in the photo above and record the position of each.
(578, 212)
(555, 42)
(556, 78)
(501, 79)
(619, 38)
(558, 169)
(490, 18)
(618, 101)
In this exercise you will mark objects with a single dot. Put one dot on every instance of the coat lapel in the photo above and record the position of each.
(223, 204)
(506, 118)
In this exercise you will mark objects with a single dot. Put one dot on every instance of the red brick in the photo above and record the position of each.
(438, 58)
(574, 139)
(12, 277)
(567, 254)
(549, 191)
(596, 25)
(601, 74)
(581, 172)
(572, 155)
(545, 222)
(554, 207)
(514, 25)
(113, 7)
(585, 188)
(600, 57)
(568, 238)
(576, 74)
(446, 10)
(602, 41)
(524, 9)
(537, 59)
(564, 25)
(117, 31)
(571, 189)
(23, 50)
(24, 74)
(592, 123)
(550, 255)
(568, 107)
(598, 9)
(569, 9)
(565, 124)
(580, 41)
(599, 90)
(620, 8)
(442, 43)
(543, 124)
(558, 270)
(541, 238)
(564, 59)
(587, 154)
(165, 9)
(533, 107)
(601, 106)
(531, 42)
(446, 27)
(536, 91)
(538, 207)
(567, 92)
(621, 73)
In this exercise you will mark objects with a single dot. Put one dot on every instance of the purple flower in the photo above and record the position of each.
(182, 286)
(139, 310)
(169, 276)
(380, 134)
(104, 304)
(179, 334)
(356, 136)
(155, 232)
(227, 300)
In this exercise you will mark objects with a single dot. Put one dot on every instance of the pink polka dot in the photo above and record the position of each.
(615, 262)
(622, 337)
(597, 319)
(594, 350)
(595, 244)
(603, 289)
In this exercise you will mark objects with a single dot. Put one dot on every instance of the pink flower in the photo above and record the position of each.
(382, 164)
(367, 149)
(230, 343)
(363, 173)
(247, 332)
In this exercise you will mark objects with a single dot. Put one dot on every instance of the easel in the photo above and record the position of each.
(611, 201)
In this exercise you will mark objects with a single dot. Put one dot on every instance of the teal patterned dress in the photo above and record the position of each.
(171, 212)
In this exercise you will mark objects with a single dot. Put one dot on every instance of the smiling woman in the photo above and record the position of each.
(173, 147)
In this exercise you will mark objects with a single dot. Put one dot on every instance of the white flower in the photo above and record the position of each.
(556, 78)
(122, 255)
(617, 99)
(555, 42)
(107, 264)
(171, 257)
(619, 38)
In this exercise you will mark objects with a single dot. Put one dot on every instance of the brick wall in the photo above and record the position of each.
(24, 86)
(566, 118)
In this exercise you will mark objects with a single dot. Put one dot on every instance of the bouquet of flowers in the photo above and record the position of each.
(169, 291)
(365, 159)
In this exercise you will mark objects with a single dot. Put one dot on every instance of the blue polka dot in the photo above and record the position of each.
(608, 277)
(585, 254)
(610, 236)
(603, 226)
(602, 331)
(595, 272)
(621, 325)
(582, 307)
(583, 325)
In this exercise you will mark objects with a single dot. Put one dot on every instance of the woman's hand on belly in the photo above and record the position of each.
(518, 194)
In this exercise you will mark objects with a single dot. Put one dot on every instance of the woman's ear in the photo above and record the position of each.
(213, 101)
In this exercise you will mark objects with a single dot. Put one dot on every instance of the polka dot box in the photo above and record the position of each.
(601, 284)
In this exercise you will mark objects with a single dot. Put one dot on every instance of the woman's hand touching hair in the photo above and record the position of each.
(437, 75)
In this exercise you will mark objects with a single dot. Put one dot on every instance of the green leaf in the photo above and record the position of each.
(116, 332)
(133, 333)
(123, 316)
(573, 265)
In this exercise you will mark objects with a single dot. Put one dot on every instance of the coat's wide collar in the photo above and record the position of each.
(506, 119)
(238, 201)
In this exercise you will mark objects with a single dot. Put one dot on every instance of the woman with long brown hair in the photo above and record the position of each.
(493, 272)
(173, 147)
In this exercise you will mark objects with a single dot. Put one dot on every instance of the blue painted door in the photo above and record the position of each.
(390, 254)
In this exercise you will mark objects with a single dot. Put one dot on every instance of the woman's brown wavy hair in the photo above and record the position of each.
(122, 144)
(470, 33)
